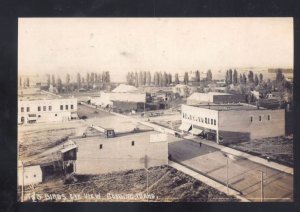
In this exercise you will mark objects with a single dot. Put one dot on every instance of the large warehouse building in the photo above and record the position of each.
(37, 109)
(125, 152)
(232, 123)
(215, 97)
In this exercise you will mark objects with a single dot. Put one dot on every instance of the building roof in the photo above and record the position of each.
(227, 107)
(122, 88)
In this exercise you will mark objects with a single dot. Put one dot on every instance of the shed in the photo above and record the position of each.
(30, 175)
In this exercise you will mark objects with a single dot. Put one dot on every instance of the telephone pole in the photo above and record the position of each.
(261, 186)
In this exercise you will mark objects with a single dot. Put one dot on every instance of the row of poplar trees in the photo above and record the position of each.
(232, 77)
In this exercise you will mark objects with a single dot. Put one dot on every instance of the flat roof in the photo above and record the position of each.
(32, 97)
(227, 107)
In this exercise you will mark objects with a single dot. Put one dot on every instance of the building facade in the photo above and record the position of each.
(215, 97)
(46, 110)
(132, 151)
(233, 123)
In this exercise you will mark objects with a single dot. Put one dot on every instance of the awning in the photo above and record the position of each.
(74, 116)
(196, 131)
(185, 127)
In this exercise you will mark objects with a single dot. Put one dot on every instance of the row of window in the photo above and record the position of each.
(260, 118)
(66, 107)
(49, 108)
(205, 120)
(101, 145)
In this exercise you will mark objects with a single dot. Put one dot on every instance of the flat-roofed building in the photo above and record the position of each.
(215, 97)
(38, 109)
(124, 152)
(232, 122)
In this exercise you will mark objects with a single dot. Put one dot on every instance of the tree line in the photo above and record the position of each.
(162, 79)
(232, 77)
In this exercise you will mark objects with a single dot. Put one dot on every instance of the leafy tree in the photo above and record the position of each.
(256, 81)
(241, 81)
(197, 77)
(136, 79)
(59, 84)
(176, 79)
(235, 77)
(186, 78)
(78, 80)
(53, 81)
(244, 78)
(230, 76)
(250, 76)
(208, 76)
(170, 78)
(148, 78)
(48, 80)
(261, 78)
(279, 76)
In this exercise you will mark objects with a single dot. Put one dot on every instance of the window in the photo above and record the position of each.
(269, 117)
(39, 116)
(55, 114)
(67, 107)
(61, 107)
(28, 109)
(205, 120)
(34, 175)
(259, 118)
(44, 108)
(50, 108)
(215, 122)
(39, 108)
(132, 143)
(71, 107)
(251, 118)
(100, 147)
(22, 109)
(211, 121)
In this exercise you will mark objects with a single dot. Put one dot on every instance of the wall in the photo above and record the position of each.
(235, 98)
(127, 106)
(32, 175)
(235, 125)
(194, 113)
(118, 154)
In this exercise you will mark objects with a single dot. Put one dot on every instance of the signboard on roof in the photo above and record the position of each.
(161, 137)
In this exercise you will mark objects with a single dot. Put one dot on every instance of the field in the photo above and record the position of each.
(279, 149)
(165, 184)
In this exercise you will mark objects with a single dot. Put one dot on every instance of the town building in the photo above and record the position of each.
(232, 122)
(42, 108)
(124, 152)
(29, 175)
(124, 98)
(215, 97)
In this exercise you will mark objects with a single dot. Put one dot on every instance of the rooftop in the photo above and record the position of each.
(227, 107)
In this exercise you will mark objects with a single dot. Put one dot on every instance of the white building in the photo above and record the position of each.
(29, 175)
(234, 122)
(38, 110)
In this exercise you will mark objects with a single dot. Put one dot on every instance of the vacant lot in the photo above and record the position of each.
(279, 149)
(165, 185)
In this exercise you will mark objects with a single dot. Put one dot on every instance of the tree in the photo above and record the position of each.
(136, 79)
(208, 76)
(241, 81)
(227, 78)
(230, 76)
(27, 82)
(78, 80)
(176, 79)
(140, 79)
(197, 77)
(67, 81)
(53, 81)
(148, 78)
(88, 80)
(244, 78)
(170, 78)
(235, 77)
(92, 77)
(279, 76)
(165, 79)
(256, 81)
(129, 78)
(160, 79)
(261, 78)
(251, 77)
(48, 80)
(186, 78)
(59, 84)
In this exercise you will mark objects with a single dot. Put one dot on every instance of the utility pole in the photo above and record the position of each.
(146, 167)
(227, 175)
(22, 195)
(261, 185)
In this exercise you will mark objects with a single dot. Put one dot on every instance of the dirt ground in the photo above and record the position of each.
(165, 185)
(278, 149)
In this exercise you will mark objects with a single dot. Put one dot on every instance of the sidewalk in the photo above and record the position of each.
(234, 152)
(207, 181)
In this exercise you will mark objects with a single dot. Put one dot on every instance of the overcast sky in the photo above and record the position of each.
(119, 45)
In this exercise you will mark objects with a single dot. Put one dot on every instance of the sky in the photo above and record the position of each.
(119, 45)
